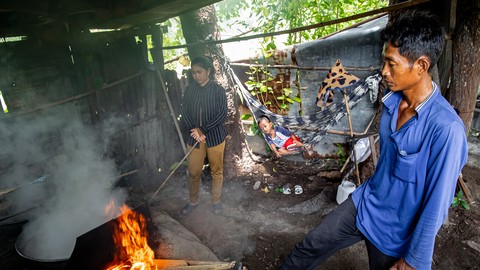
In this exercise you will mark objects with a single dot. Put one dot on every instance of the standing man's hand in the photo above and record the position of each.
(401, 265)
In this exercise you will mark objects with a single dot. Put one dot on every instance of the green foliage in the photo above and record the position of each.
(277, 15)
(341, 153)
(254, 129)
(177, 164)
(265, 88)
(474, 132)
(460, 200)
(172, 36)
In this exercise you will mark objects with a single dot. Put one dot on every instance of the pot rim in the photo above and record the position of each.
(19, 252)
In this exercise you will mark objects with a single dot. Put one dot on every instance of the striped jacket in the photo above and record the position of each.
(205, 108)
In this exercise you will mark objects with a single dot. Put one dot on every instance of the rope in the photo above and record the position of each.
(322, 120)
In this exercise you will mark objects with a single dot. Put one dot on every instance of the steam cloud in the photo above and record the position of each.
(78, 180)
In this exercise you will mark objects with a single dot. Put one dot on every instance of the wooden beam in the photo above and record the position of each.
(370, 68)
(74, 98)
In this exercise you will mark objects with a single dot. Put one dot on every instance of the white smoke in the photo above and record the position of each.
(78, 181)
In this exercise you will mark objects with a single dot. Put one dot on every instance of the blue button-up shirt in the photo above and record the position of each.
(402, 206)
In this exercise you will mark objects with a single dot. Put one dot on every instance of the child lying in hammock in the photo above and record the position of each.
(281, 140)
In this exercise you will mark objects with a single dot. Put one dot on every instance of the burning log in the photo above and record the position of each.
(130, 238)
(191, 265)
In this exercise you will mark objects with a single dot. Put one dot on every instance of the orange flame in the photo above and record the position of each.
(130, 237)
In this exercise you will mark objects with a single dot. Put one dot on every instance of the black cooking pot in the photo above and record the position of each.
(93, 250)
(36, 263)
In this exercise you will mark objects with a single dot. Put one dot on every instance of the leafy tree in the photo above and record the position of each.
(172, 36)
(274, 15)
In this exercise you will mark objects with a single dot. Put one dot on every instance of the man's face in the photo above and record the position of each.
(200, 75)
(396, 71)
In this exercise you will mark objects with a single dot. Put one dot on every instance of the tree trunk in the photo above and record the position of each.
(466, 61)
(198, 26)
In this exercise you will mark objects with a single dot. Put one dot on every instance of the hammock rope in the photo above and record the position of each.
(312, 128)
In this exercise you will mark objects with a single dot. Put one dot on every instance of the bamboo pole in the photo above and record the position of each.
(359, 135)
(126, 79)
(172, 112)
(74, 98)
(371, 68)
(49, 105)
(127, 173)
(357, 173)
(466, 190)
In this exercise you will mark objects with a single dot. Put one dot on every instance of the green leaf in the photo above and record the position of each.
(297, 99)
(246, 116)
(287, 91)
(465, 205)
(271, 46)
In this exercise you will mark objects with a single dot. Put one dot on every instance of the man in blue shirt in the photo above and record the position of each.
(399, 210)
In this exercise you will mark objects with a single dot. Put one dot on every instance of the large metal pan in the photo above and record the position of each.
(38, 263)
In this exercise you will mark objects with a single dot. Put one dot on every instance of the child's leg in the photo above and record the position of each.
(290, 144)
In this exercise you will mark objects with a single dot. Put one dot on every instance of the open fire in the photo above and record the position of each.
(130, 238)
(132, 252)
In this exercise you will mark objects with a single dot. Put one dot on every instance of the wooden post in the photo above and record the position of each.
(373, 150)
(172, 112)
(357, 173)
(466, 190)
(157, 55)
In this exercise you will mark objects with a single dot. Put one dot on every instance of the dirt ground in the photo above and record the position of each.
(258, 229)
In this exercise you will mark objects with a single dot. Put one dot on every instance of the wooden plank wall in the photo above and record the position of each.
(114, 83)
(146, 140)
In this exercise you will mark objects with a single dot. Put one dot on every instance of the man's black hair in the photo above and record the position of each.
(415, 33)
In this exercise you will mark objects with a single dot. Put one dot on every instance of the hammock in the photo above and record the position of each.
(312, 128)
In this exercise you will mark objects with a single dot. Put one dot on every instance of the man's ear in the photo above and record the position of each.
(423, 65)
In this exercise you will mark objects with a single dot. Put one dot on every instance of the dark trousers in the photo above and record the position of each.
(336, 231)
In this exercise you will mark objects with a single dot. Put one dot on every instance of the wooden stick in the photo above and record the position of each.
(360, 135)
(74, 98)
(371, 68)
(466, 190)
(357, 173)
(172, 112)
(345, 164)
(126, 79)
(171, 173)
(371, 139)
(127, 173)
(66, 100)
(341, 132)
